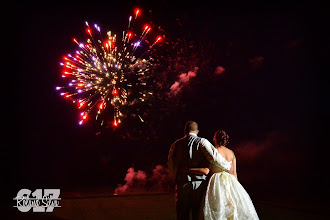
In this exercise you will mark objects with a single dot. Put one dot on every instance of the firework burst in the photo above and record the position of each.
(106, 76)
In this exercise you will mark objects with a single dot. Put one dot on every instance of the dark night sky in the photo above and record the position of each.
(252, 100)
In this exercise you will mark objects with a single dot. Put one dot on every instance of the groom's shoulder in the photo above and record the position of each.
(181, 140)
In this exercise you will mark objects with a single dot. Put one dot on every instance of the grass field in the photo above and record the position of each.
(152, 206)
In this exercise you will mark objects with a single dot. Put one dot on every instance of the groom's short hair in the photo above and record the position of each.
(190, 126)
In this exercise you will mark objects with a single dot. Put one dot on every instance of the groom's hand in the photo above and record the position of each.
(213, 156)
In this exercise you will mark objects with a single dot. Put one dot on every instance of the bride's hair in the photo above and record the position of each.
(221, 138)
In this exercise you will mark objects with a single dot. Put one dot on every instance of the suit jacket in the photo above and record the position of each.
(192, 151)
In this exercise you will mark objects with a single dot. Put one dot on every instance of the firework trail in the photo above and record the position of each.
(109, 75)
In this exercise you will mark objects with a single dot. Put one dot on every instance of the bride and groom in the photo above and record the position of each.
(206, 179)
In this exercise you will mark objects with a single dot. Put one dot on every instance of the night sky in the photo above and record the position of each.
(266, 99)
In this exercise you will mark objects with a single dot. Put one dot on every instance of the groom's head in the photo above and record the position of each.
(191, 127)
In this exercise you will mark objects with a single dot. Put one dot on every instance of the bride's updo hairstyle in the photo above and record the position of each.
(221, 138)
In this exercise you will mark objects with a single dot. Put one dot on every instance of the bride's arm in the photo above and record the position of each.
(213, 156)
(198, 171)
(233, 167)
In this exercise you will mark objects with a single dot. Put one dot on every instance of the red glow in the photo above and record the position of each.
(114, 92)
(75, 40)
(67, 96)
(108, 43)
(115, 123)
(137, 12)
(129, 34)
(84, 117)
(159, 38)
(101, 105)
(89, 30)
(147, 28)
(81, 104)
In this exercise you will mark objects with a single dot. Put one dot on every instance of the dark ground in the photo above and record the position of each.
(100, 204)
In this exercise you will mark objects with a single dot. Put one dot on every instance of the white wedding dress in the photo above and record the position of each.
(226, 199)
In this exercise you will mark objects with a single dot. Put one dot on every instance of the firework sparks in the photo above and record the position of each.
(105, 73)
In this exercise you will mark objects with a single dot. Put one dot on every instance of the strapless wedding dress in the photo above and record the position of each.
(226, 199)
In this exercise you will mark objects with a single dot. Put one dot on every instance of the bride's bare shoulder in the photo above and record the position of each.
(227, 153)
(230, 153)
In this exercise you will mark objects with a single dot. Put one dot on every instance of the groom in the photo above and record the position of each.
(191, 151)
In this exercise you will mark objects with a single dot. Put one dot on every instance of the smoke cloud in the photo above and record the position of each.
(138, 182)
(219, 70)
(183, 80)
(257, 61)
(268, 159)
(255, 149)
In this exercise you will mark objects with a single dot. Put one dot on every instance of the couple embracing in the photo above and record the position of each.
(206, 179)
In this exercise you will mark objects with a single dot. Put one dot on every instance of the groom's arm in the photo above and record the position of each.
(212, 155)
(170, 162)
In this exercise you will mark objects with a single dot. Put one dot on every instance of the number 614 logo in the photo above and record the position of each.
(39, 202)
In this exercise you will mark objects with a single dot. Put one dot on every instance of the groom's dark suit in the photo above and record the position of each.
(191, 151)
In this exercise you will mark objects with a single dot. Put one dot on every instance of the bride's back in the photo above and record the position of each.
(221, 139)
(226, 153)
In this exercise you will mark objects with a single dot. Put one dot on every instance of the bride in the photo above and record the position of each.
(225, 197)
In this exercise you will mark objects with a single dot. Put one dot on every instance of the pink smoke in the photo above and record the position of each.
(130, 178)
(249, 151)
(263, 159)
(137, 182)
(257, 61)
(183, 80)
(219, 70)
